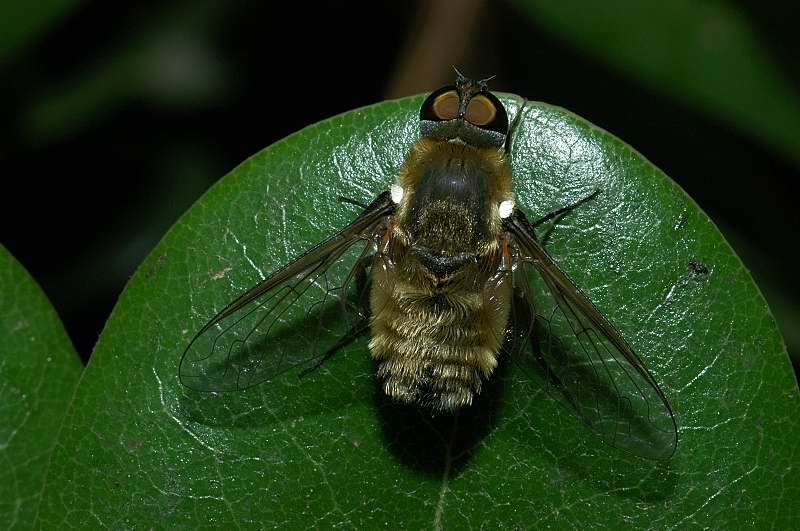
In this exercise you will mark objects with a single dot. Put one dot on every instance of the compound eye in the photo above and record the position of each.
(445, 105)
(481, 111)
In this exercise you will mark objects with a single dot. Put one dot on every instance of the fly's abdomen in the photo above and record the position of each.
(434, 349)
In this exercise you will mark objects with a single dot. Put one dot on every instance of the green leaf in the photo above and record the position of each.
(38, 373)
(139, 450)
(706, 54)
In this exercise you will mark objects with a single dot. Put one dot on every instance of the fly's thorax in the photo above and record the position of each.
(451, 196)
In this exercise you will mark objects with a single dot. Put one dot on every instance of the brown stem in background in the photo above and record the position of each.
(438, 41)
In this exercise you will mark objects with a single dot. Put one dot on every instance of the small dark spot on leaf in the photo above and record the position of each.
(698, 267)
(356, 441)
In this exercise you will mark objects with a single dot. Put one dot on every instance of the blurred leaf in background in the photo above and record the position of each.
(39, 370)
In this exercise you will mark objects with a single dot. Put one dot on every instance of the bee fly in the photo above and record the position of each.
(440, 269)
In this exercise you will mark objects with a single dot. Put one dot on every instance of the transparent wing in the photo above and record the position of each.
(583, 355)
(296, 317)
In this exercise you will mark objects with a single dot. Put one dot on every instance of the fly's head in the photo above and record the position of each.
(465, 112)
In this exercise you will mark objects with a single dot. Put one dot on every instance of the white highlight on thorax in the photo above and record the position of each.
(506, 208)
(397, 193)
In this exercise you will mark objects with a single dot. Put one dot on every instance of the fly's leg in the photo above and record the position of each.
(528, 330)
(563, 211)
(363, 284)
(348, 338)
(560, 213)
(520, 327)
(526, 337)
(361, 275)
(350, 201)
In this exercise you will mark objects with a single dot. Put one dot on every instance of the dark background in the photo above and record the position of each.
(116, 118)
